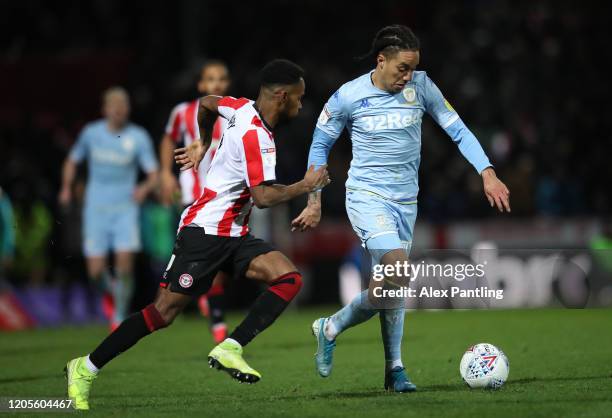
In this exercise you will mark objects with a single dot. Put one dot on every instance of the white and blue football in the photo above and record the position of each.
(484, 366)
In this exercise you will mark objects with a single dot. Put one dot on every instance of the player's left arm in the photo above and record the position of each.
(191, 156)
(148, 164)
(443, 113)
(331, 123)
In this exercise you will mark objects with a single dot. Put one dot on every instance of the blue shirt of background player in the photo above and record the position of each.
(113, 160)
(385, 131)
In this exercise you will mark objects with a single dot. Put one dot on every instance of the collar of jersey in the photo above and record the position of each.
(381, 90)
(261, 120)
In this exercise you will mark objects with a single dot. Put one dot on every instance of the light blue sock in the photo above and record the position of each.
(359, 310)
(392, 330)
(123, 289)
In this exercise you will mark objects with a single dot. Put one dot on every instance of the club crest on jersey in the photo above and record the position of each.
(185, 280)
(410, 95)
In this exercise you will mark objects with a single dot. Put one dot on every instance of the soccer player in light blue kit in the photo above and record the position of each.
(382, 110)
(114, 149)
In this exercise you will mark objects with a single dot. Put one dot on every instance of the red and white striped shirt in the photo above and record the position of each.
(246, 157)
(183, 126)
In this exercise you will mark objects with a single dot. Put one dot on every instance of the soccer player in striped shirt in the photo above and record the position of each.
(382, 111)
(182, 128)
(214, 234)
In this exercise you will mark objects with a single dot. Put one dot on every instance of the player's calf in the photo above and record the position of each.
(268, 306)
(282, 289)
(153, 317)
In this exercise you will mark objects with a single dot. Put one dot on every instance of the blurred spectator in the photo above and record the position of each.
(33, 222)
(158, 230)
(7, 233)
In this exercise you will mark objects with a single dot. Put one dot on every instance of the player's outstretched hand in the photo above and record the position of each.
(189, 157)
(309, 218)
(496, 191)
(316, 179)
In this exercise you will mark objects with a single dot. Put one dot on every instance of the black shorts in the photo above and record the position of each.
(198, 257)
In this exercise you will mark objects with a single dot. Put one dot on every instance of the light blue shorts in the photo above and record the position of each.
(381, 224)
(110, 228)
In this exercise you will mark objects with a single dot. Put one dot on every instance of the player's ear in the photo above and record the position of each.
(283, 95)
(380, 61)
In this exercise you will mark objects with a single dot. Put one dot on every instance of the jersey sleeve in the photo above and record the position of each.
(330, 124)
(437, 106)
(334, 115)
(448, 119)
(259, 157)
(79, 149)
(228, 105)
(146, 155)
(173, 127)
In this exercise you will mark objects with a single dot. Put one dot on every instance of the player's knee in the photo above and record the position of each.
(154, 318)
(96, 273)
(287, 285)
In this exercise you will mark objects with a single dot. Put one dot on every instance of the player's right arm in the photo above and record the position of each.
(210, 108)
(69, 168)
(330, 124)
(258, 154)
(266, 196)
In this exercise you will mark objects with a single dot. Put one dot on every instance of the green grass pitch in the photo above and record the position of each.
(560, 366)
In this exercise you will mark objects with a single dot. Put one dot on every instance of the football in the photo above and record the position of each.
(484, 366)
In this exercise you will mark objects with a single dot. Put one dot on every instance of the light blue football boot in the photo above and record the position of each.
(396, 380)
(325, 348)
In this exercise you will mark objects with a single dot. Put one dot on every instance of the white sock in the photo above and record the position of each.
(395, 363)
(90, 366)
(233, 342)
(329, 330)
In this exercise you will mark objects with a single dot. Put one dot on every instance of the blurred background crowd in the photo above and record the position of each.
(527, 77)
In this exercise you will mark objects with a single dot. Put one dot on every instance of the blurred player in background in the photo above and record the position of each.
(114, 148)
(7, 235)
(382, 111)
(182, 128)
(214, 234)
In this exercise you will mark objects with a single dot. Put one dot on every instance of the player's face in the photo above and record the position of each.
(116, 108)
(214, 80)
(396, 70)
(293, 99)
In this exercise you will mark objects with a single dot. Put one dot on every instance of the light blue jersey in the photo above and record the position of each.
(110, 214)
(113, 160)
(385, 130)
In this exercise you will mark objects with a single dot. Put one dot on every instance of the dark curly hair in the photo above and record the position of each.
(392, 39)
